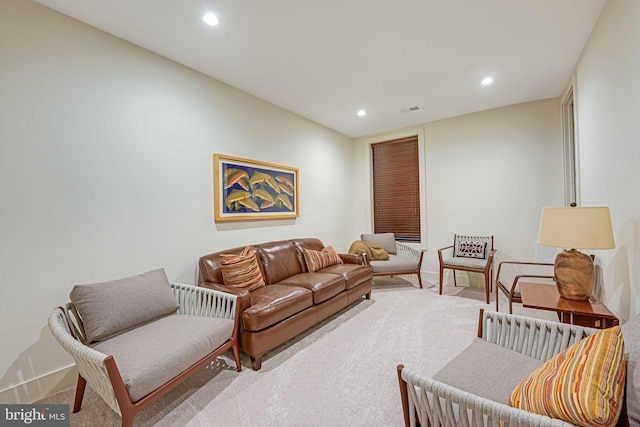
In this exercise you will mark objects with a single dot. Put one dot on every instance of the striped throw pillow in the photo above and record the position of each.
(583, 385)
(242, 271)
(317, 260)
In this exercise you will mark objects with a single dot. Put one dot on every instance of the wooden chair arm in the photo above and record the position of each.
(442, 250)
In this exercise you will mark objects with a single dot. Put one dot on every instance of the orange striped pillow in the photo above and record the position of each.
(317, 260)
(242, 271)
(583, 385)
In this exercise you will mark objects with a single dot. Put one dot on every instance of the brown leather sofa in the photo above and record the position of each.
(293, 299)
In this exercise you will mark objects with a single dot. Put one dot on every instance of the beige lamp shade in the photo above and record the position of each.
(576, 228)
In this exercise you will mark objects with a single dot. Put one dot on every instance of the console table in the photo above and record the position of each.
(591, 313)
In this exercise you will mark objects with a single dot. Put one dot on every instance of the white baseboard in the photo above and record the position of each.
(35, 389)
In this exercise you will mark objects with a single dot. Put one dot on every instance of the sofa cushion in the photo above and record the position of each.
(582, 385)
(395, 263)
(242, 270)
(386, 240)
(468, 370)
(146, 362)
(471, 249)
(323, 285)
(108, 308)
(317, 260)
(279, 260)
(631, 335)
(353, 274)
(273, 303)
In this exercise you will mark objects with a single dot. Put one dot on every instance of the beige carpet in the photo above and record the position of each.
(340, 373)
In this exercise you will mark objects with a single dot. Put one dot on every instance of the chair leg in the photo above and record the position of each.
(419, 279)
(497, 297)
(454, 278)
(487, 284)
(82, 383)
(404, 396)
(236, 355)
(441, 276)
(127, 417)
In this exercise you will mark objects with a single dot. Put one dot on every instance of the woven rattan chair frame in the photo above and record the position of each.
(427, 402)
(485, 270)
(101, 371)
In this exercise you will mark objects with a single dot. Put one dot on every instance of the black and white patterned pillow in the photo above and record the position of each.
(471, 249)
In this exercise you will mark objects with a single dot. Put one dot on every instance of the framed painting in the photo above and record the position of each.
(250, 190)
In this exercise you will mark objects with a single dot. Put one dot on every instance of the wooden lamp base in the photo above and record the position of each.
(573, 273)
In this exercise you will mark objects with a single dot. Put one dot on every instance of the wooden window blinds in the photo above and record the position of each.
(396, 188)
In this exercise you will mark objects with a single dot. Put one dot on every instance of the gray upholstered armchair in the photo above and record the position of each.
(473, 388)
(134, 339)
(403, 259)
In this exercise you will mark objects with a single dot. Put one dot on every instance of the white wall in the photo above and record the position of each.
(106, 171)
(608, 127)
(487, 173)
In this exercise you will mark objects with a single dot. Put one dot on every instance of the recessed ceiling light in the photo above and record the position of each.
(362, 113)
(487, 81)
(210, 19)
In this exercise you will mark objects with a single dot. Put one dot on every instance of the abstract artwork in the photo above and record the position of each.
(249, 190)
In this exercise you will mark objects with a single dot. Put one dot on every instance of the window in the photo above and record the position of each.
(396, 188)
(570, 152)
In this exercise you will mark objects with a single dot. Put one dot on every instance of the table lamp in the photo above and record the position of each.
(575, 228)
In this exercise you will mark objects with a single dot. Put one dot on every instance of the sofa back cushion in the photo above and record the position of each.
(108, 308)
(279, 260)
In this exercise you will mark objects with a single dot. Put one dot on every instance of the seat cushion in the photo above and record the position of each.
(395, 263)
(476, 263)
(480, 369)
(582, 385)
(109, 308)
(152, 354)
(353, 274)
(274, 303)
(323, 285)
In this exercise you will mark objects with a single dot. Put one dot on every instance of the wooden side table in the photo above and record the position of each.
(591, 313)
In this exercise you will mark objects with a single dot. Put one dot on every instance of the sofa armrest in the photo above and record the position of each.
(426, 401)
(537, 338)
(351, 258)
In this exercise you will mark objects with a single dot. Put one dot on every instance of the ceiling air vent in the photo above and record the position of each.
(410, 109)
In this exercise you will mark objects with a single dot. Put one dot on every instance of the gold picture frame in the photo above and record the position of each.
(245, 189)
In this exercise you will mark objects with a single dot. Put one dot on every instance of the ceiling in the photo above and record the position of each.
(327, 59)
